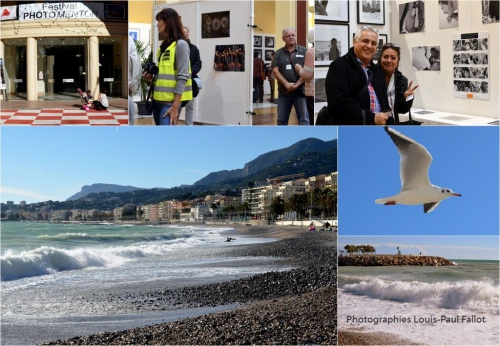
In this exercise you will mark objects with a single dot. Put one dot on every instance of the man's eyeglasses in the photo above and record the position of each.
(289, 36)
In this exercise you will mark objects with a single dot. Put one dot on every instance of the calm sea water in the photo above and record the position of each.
(423, 295)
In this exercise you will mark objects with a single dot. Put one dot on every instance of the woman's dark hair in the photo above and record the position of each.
(388, 46)
(174, 29)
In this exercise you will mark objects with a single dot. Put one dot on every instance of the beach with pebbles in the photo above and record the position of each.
(294, 305)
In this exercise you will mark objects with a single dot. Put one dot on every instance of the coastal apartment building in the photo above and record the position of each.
(49, 49)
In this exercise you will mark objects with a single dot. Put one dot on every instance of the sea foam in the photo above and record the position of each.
(472, 295)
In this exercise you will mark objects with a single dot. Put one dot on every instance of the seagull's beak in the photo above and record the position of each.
(457, 194)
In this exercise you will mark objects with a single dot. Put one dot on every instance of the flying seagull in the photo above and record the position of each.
(413, 169)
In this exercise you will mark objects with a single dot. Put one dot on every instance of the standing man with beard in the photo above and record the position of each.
(355, 87)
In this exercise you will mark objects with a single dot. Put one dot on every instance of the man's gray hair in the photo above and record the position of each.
(364, 28)
(286, 29)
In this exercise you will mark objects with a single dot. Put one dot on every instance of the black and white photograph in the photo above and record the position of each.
(371, 12)
(257, 54)
(268, 55)
(426, 58)
(215, 24)
(257, 41)
(471, 65)
(269, 41)
(411, 17)
(333, 10)
(331, 42)
(448, 14)
(491, 11)
(319, 88)
(230, 58)
(382, 39)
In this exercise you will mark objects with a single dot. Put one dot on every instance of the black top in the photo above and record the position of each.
(344, 81)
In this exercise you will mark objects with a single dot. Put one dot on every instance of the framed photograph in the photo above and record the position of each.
(215, 24)
(269, 41)
(382, 39)
(134, 33)
(426, 58)
(332, 10)
(371, 12)
(257, 53)
(411, 17)
(115, 11)
(330, 42)
(230, 58)
(448, 14)
(268, 55)
(257, 41)
(491, 11)
(319, 88)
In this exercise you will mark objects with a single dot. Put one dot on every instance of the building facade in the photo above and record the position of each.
(49, 49)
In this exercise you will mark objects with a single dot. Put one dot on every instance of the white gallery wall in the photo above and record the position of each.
(225, 97)
(436, 87)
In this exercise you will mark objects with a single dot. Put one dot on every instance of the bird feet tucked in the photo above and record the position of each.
(390, 203)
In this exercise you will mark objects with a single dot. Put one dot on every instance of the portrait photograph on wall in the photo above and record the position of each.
(332, 10)
(491, 11)
(215, 24)
(382, 39)
(371, 12)
(257, 54)
(471, 65)
(319, 88)
(257, 41)
(267, 55)
(411, 17)
(269, 41)
(330, 43)
(448, 14)
(426, 58)
(230, 58)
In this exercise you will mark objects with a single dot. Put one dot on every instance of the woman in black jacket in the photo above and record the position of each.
(399, 92)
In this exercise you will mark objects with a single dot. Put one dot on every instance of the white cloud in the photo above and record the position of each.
(25, 193)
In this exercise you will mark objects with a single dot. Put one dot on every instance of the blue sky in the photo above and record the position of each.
(451, 247)
(42, 163)
(465, 159)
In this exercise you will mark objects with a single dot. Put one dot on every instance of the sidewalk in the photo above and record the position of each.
(55, 113)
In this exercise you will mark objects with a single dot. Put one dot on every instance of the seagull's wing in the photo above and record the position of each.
(414, 163)
(428, 207)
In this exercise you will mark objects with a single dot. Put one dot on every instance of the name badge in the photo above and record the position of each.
(288, 67)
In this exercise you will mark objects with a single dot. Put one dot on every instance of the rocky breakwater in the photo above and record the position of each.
(393, 260)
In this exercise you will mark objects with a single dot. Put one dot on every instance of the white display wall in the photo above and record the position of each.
(436, 90)
(226, 95)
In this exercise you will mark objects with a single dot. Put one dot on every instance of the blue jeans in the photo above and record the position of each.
(158, 111)
(285, 104)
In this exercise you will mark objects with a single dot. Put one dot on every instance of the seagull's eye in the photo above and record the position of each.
(448, 191)
(442, 190)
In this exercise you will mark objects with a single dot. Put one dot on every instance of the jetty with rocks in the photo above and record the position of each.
(393, 260)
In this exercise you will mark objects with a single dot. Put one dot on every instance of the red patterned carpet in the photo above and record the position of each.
(56, 117)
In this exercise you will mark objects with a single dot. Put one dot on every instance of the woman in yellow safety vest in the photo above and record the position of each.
(173, 82)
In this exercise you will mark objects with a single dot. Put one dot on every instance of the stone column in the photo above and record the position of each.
(93, 60)
(31, 69)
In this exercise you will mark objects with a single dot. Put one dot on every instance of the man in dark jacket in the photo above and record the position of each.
(195, 60)
(355, 87)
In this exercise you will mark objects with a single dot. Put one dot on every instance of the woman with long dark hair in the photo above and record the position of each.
(173, 81)
(399, 92)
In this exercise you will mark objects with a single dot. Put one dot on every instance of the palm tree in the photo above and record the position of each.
(145, 55)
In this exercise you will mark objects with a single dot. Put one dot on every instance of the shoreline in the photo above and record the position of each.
(264, 302)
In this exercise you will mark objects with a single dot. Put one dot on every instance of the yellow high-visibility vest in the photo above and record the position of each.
(166, 82)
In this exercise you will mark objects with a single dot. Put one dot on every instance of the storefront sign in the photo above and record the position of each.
(69, 80)
(109, 79)
(18, 80)
(8, 12)
(59, 10)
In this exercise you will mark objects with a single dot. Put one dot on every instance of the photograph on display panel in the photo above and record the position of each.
(426, 58)
(371, 12)
(330, 43)
(269, 41)
(319, 88)
(215, 24)
(491, 11)
(230, 58)
(471, 65)
(448, 14)
(331, 10)
(411, 17)
(257, 41)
